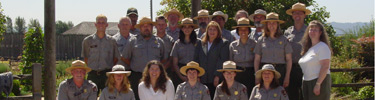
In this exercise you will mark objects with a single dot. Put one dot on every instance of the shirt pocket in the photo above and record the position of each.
(155, 50)
(238, 55)
(139, 50)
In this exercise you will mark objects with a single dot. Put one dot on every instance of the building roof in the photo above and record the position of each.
(88, 28)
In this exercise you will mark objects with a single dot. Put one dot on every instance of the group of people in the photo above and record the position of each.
(203, 61)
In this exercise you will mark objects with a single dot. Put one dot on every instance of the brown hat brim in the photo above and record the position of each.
(290, 11)
(138, 25)
(265, 21)
(184, 68)
(204, 16)
(180, 15)
(251, 17)
(68, 70)
(194, 25)
(235, 70)
(258, 74)
(127, 73)
(234, 27)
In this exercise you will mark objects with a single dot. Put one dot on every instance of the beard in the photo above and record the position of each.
(203, 25)
(146, 33)
(258, 24)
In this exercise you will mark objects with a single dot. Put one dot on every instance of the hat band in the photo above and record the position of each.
(229, 69)
(272, 19)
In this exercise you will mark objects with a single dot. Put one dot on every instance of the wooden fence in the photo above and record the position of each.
(67, 46)
(362, 69)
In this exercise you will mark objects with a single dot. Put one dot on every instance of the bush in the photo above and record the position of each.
(343, 77)
(4, 67)
(366, 92)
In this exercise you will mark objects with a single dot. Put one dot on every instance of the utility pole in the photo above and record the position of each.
(195, 7)
(151, 9)
(50, 50)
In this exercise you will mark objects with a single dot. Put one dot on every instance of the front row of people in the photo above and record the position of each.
(156, 85)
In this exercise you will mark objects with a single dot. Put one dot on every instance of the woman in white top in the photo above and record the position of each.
(155, 84)
(315, 63)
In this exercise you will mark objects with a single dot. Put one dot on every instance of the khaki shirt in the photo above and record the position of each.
(174, 34)
(184, 52)
(141, 51)
(274, 94)
(273, 51)
(238, 91)
(100, 52)
(115, 95)
(168, 43)
(69, 91)
(242, 54)
(186, 92)
(295, 38)
(135, 32)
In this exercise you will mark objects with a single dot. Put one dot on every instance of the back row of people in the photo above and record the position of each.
(176, 45)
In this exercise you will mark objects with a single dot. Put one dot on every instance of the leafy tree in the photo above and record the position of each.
(230, 7)
(61, 26)
(20, 25)
(9, 26)
(2, 23)
(34, 23)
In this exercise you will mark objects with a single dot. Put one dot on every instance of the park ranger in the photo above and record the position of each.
(239, 14)
(173, 16)
(203, 20)
(132, 13)
(122, 37)
(294, 34)
(192, 89)
(77, 88)
(100, 52)
(257, 17)
(142, 49)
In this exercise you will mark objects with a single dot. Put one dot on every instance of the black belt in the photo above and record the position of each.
(273, 64)
(243, 68)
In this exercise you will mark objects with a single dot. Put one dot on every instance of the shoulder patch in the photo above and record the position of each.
(95, 89)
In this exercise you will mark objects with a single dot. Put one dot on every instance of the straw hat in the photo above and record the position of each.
(187, 21)
(174, 11)
(219, 13)
(267, 67)
(298, 7)
(272, 17)
(78, 64)
(229, 66)
(118, 69)
(257, 12)
(194, 65)
(242, 22)
(145, 20)
(202, 13)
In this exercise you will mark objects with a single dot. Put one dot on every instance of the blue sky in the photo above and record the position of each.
(86, 10)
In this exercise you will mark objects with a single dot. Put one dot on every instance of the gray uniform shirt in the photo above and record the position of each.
(135, 32)
(168, 43)
(272, 94)
(187, 92)
(100, 52)
(141, 51)
(121, 42)
(115, 95)
(242, 54)
(273, 51)
(295, 38)
(69, 91)
(234, 34)
(238, 91)
(255, 36)
(184, 52)
(198, 32)
(174, 34)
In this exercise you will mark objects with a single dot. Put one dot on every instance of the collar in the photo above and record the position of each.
(96, 37)
(169, 30)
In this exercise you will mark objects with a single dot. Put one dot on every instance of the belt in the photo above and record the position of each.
(273, 64)
(241, 68)
(100, 72)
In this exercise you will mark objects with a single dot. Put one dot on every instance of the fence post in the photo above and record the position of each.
(37, 81)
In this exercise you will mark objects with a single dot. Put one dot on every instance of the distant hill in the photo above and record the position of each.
(341, 27)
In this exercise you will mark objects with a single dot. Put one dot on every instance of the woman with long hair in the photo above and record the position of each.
(269, 87)
(118, 86)
(230, 89)
(210, 53)
(183, 49)
(274, 48)
(315, 63)
(241, 52)
(155, 84)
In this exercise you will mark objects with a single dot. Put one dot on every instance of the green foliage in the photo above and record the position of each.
(9, 26)
(366, 92)
(20, 25)
(343, 77)
(61, 26)
(61, 66)
(34, 23)
(2, 23)
(4, 67)
(32, 52)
